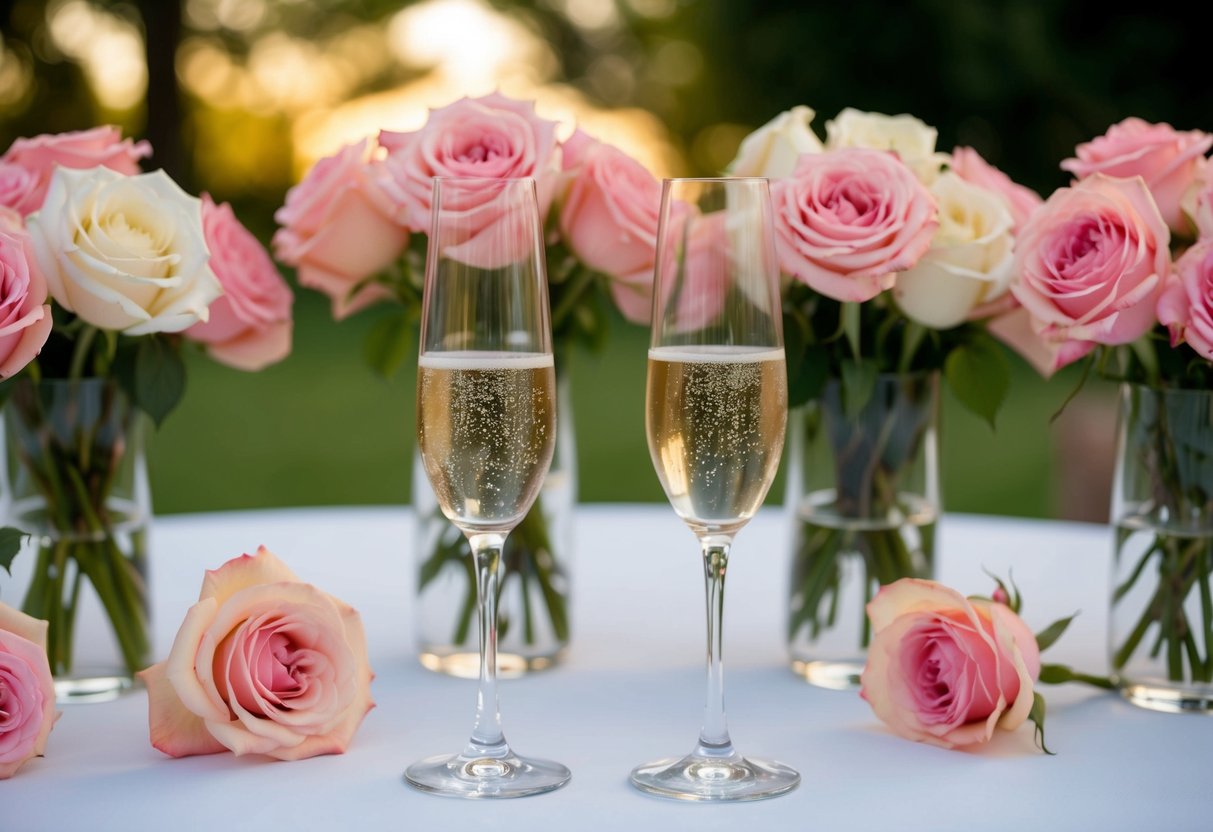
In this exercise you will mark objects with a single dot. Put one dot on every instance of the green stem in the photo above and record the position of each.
(80, 354)
(578, 285)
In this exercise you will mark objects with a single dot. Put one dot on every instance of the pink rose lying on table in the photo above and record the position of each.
(27, 691)
(338, 230)
(946, 670)
(25, 315)
(250, 325)
(38, 156)
(1167, 159)
(848, 220)
(262, 664)
(1090, 265)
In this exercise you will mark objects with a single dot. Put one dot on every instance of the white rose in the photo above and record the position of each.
(772, 150)
(969, 262)
(124, 252)
(910, 138)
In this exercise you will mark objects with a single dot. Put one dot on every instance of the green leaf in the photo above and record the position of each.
(858, 384)
(1046, 637)
(388, 343)
(159, 382)
(1059, 674)
(980, 375)
(1037, 715)
(850, 326)
(10, 545)
(911, 338)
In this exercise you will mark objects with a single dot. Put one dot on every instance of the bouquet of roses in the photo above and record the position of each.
(356, 229)
(895, 257)
(1116, 271)
(104, 273)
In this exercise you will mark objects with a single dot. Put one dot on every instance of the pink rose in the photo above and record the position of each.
(946, 670)
(20, 187)
(250, 325)
(975, 170)
(1089, 267)
(25, 315)
(1186, 304)
(493, 137)
(27, 690)
(1165, 158)
(98, 147)
(848, 220)
(609, 221)
(262, 664)
(1202, 214)
(337, 229)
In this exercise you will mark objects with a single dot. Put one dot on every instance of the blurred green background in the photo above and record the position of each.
(239, 96)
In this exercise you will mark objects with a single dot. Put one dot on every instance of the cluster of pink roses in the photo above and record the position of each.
(1095, 266)
(128, 252)
(351, 217)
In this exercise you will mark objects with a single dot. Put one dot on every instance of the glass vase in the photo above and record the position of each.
(863, 492)
(533, 599)
(1161, 613)
(76, 483)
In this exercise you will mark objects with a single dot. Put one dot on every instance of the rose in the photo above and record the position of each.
(946, 670)
(493, 137)
(337, 229)
(262, 664)
(100, 146)
(27, 690)
(848, 220)
(19, 188)
(968, 164)
(609, 221)
(1168, 161)
(1089, 267)
(250, 326)
(912, 140)
(969, 261)
(1186, 304)
(25, 316)
(124, 252)
(772, 150)
(1202, 204)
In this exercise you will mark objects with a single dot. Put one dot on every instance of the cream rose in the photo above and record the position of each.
(910, 138)
(772, 150)
(262, 664)
(969, 261)
(124, 253)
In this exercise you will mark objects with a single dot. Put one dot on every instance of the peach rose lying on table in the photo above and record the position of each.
(262, 664)
(948, 670)
(27, 691)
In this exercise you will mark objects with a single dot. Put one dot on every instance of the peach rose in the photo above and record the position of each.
(250, 325)
(945, 670)
(1089, 268)
(25, 315)
(262, 664)
(1186, 304)
(27, 690)
(98, 147)
(848, 220)
(609, 222)
(1167, 159)
(493, 137)
(969, 166)
(337, 229)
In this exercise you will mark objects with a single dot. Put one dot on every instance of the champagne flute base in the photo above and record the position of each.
(476, 778)
(699, 777)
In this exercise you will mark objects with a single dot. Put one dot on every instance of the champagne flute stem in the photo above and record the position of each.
(487, 738)
(714, 735)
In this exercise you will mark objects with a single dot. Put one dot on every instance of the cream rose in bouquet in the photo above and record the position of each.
(895, 255)
(357, 226)
(106, 273)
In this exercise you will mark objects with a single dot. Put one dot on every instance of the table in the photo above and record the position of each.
(632, 690)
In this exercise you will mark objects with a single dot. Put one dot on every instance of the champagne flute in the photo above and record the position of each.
(486, 426)
(716, 411)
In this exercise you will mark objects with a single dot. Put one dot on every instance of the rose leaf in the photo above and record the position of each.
(1037, 715)
(10, 546)
(980, 375)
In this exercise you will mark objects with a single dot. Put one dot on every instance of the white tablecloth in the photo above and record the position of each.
(632, 690)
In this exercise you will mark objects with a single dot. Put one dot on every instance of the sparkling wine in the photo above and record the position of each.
(486, 427)
(716, 418)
